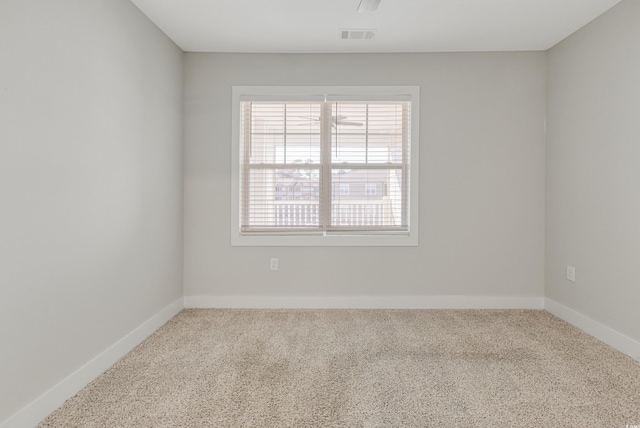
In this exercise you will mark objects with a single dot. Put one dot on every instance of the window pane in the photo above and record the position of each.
(375, 198)
(368, 132)
(284, 132)
(282, 198)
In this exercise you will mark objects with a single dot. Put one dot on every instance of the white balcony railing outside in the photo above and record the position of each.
(343, 213)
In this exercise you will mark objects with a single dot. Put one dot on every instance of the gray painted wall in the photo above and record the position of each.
(90, 185)
(481, 179)
(593, 170)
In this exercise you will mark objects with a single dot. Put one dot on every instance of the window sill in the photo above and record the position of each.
(328, 240)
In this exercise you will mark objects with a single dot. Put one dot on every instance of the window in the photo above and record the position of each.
(325, 165)
(370, 189)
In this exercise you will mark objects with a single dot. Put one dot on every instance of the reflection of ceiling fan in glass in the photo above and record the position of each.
(335, 120)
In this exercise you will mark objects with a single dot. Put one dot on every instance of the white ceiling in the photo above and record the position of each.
(313, 26)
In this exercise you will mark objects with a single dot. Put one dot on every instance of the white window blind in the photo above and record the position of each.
(324, 164)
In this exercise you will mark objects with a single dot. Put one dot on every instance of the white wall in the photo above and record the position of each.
(481, 179)
(593, 170)
(90, 185)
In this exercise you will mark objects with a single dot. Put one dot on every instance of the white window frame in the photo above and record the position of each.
(365, 93)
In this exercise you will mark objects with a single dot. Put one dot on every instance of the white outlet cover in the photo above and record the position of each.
(571, 273)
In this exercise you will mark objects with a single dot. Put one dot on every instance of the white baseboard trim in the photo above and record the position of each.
(603, 333)
(364, 302)
(41, 407)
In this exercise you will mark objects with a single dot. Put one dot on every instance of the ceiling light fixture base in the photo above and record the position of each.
(368, 5)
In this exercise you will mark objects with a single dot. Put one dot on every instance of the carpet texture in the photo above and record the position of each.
(362, 368)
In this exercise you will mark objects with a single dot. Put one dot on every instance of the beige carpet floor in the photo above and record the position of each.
(362, 368)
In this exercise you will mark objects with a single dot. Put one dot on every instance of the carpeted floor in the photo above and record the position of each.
(362, 368)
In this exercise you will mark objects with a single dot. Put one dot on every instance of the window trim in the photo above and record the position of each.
(286, 93)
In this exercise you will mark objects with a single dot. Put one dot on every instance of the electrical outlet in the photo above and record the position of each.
(274, 264)
(571, 273)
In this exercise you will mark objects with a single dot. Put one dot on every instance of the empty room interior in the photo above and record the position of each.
(505, 213)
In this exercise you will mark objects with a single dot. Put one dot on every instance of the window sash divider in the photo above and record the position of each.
(284, 166)
(367, 165)
(326, 124)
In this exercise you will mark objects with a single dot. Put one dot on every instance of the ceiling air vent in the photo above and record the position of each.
(357, 34)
